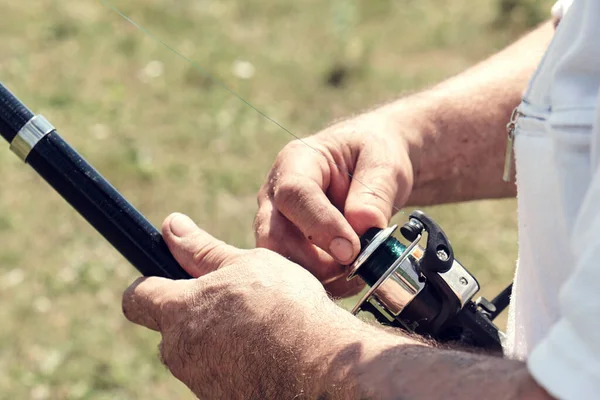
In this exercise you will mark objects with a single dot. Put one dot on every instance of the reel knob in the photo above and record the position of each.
(412, 229)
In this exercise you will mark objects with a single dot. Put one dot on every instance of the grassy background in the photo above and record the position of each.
(171, 140)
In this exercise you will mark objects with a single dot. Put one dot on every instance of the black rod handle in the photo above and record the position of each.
(13, 114)
(91, 195)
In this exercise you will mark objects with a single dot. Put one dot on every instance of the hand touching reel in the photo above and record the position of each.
(424, 290)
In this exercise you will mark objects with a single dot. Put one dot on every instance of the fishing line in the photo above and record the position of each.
(198, 68)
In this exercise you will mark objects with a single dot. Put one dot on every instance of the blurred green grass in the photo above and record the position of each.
(170, 139)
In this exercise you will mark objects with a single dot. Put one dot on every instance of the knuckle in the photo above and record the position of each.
(290, 151)
(262, 193)
(288, 193)
(170, 307)
(295, 197)
(247, 264)
(267, 242)
(174, 306)
(269, 246)
(266, 189)
(211, 256)
(296, 200)
(260, 254)
(261, 225)
(390, 165)
(293, 147)
(257, 224)
(270, 235)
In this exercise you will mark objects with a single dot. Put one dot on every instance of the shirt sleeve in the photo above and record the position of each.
(567, 361)
(559, 9)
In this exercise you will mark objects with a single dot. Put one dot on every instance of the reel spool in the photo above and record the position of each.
(423, 290)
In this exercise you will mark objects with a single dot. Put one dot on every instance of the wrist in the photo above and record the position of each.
(347, 350)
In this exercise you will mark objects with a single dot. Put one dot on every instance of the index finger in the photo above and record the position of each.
(300, 183)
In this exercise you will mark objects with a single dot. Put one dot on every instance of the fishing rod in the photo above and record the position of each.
(37, 143)
(424, 290)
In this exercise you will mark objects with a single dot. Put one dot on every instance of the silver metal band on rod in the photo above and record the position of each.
(29, 135)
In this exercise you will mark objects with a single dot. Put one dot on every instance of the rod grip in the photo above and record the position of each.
(90, 194)
(13, 114)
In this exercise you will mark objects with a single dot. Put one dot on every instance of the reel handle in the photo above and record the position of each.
(38, 144)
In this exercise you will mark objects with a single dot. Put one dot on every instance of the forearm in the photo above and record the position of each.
(381, 365)
(456, 130)
(415, 372)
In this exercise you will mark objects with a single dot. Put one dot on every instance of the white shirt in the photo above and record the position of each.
(554, 316)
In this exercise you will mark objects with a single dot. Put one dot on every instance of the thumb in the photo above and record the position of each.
(375, 188)
(195, 250)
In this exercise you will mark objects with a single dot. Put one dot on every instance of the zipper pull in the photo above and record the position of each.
(508, 158)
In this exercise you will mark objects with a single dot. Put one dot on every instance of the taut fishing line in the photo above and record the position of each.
(204, 72)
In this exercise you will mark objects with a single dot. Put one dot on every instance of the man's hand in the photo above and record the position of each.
(445, 144)
(253, 325)
(312, 211)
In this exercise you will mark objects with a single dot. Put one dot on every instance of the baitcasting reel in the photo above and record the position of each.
(425, 290)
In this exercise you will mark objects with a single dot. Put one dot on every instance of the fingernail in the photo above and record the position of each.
(341, 249)
(182, 225)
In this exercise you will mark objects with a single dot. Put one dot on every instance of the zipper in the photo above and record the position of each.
(508, 157)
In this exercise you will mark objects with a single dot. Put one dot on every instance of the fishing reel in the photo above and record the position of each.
(425, 290)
